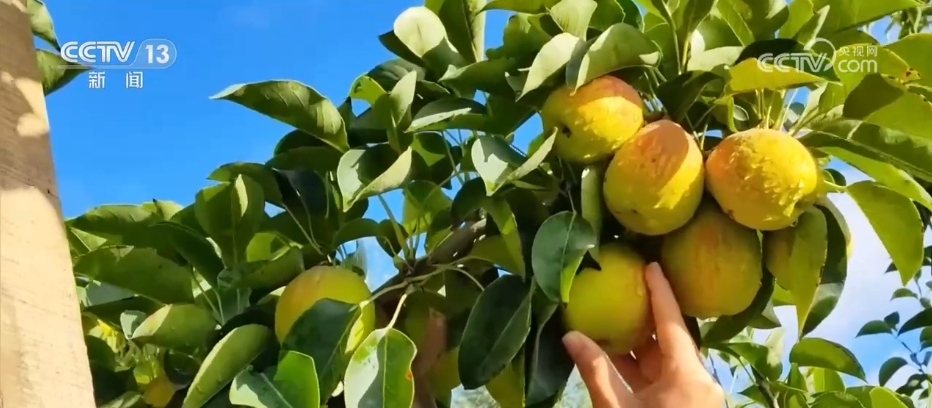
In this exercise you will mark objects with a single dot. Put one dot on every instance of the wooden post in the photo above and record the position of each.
(43, 359)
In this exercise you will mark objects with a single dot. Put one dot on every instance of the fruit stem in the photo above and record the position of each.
(401, 303)
(834, 188)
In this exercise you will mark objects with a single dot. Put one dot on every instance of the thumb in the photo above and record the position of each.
(605, 385)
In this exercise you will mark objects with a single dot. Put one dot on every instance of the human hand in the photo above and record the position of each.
(663, 373)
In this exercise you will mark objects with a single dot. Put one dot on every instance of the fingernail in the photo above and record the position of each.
(572, 340)
(653, 267)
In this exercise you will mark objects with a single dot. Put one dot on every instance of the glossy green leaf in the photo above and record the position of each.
(231, 214)
(40, 21)
(231, 355)
(816, 352)
(875, 327)
(176, 326)
(825, 380)
(55, 71)
(920, 320)
(291, 384)
(423, 34)
(573, 16)
(138, 270)
(449, 113)
(552, 59)
(884, 173)
(843, 15)
(194, 248)
(905, 151)
(558, 249)
(383, 362)
(592, 201)
(886, 102)
(355, 229)
(884, 398)
(619, 46)
(753, 74)
(889, 368)
(366, 172)
(896, 221)
(423, 203)
(465, 25)
(292, 103)
(495, 331)
(498, 164)
(911, 49)
(504, 217)
(323, 333)
(796, 256)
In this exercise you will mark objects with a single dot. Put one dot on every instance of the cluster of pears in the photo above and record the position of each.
(705, 209)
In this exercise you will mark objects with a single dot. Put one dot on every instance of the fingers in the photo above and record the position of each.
(631, 372)
(606, 388)
(672, 334)
(649, 359)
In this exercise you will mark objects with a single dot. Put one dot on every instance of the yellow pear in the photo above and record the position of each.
(763, 178)
(325, 282)
(714, 264)
(507, 388)
(611, 306)
(654, 183)
(594, 121)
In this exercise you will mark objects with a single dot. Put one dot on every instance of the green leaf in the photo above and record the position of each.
(897, 223)
(55, 71)
(393, 109)
(796, 256)
(292, 384)
(231, 355)
(908, 152)
(844, 14)
(521, 6)
(835, 271)
(257, 172)
(591, 201)
(884, 173)
(521, 38)
(888, 103)
(41, 22)
(910, 49)
(552, 59)
(498, 164)
(465, 25)
(423, 202)
(558, 249)
(231, 214)
(177, 326)
(889, 368)
(834, 399)
(492, 249)
(485, 75)
(367, 89)
(730, 11)
(355, 229)
(194, 248)
(753, 74)
(884, 398)
(382, 362)
(856, 64)
(689, 13)
(423, 34)
(825, 380)
(903, 293)
(139, 270)
(762, 359)
(816, 352)
(292, 103)
(370, 171)
(495, 331)
(271, 262)
(504, 218)
(323, 332)
(920, 320)
(875, 327)
(548, 366)
(573, 16)
(799, 12)
(320, 159)
(448, 113)
(619, 46)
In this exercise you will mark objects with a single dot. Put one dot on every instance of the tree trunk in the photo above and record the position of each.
(43, 360)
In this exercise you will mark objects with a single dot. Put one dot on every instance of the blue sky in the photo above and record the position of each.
(117, 145)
